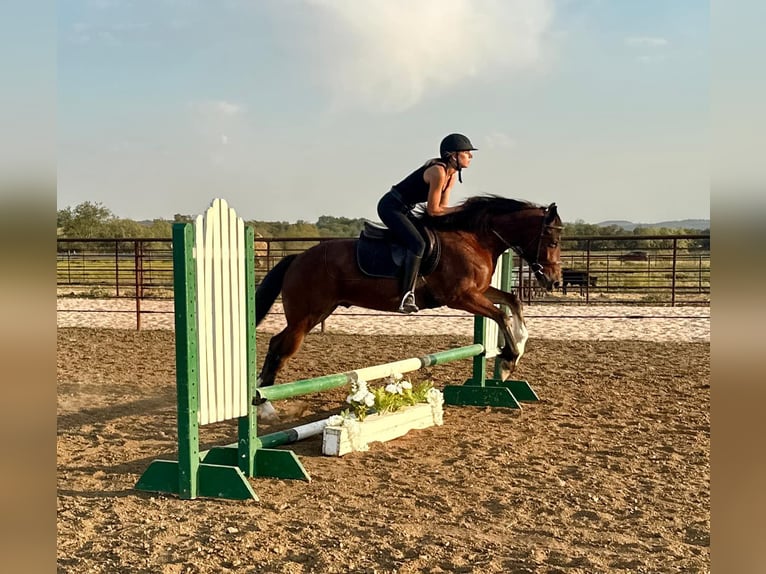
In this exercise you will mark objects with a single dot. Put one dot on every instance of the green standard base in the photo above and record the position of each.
(520, 389)
(213, 481)
(275, 463)
(493, 393)
(269, 462)
(219, 475)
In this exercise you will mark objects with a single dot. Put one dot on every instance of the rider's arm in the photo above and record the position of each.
(439, 187)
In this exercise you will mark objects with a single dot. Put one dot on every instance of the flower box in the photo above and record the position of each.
(353, 435)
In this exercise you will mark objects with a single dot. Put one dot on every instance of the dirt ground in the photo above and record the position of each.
(609, 472)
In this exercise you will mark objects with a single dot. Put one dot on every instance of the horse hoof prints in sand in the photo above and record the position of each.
(314, 283)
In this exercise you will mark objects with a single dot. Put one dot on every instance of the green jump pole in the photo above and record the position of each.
(306, 386)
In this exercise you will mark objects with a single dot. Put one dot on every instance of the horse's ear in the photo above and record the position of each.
(551, 213)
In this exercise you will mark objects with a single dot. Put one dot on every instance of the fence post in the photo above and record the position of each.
(673, 276)
(137, 260)
(117, 268)
(587, 271)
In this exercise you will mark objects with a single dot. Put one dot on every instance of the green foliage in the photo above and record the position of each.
(94, 220)
(339, 226)
(420, 391)
(392, 396)
(581, 229)
(285, 229)
(88, 219)
(386, 402)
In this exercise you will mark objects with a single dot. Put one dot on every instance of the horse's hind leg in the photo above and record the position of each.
(286, 343)
(282, 346)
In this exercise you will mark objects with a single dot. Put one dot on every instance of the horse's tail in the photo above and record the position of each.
(270, 288)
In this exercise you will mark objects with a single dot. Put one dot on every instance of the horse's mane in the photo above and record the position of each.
(475, 212)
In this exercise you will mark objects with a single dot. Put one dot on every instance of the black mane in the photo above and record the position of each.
(475, 213)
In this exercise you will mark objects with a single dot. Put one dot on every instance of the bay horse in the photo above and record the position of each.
(315, 282)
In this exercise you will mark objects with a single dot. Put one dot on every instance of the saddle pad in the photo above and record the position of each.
(380, 258)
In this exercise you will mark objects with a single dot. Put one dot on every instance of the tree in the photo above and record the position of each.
(87, 219)
(339, 226)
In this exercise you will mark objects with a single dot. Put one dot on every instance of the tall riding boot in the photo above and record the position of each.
(411, 268)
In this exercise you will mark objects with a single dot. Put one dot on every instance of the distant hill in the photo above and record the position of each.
(700, 224)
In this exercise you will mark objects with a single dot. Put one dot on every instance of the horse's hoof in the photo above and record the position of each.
(506, 368)
(267, 413)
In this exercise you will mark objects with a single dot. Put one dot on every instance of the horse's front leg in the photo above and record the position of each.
(518, 325)
(478, 304)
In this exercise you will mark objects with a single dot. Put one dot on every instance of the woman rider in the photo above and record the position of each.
(430, 183)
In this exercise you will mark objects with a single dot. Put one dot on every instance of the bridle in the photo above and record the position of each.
(534, 264)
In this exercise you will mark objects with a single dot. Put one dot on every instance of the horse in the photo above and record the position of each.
(317, 281)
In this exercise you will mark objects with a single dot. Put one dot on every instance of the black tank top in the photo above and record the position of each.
(413, 188)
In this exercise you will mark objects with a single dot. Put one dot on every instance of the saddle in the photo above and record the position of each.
(378, 253)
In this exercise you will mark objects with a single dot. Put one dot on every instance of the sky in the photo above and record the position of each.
(293, 109)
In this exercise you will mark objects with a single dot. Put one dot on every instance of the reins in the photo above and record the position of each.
(534, 264)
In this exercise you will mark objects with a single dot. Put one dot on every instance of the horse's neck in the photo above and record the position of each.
(514, 232)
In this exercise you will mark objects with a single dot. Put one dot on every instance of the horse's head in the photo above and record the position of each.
(535, 235)
(546, 263)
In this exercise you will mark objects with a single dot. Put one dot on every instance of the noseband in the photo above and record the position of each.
(534, 264)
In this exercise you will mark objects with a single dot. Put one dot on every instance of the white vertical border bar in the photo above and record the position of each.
(239, 350)
(209, 387)
(202, 316)
(242, 333)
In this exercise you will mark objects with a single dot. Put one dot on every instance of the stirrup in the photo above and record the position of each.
(408, 303)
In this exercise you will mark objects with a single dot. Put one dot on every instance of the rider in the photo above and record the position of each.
(430, 183)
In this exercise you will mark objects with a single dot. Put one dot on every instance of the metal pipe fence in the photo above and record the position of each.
(652, 270)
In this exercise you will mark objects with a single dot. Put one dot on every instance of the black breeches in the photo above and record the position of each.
(394, 215)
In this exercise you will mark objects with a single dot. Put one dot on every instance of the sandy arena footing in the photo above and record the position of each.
(562, 322)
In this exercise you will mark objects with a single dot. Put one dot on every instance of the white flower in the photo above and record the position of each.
(369, 399)
(396, 377)
(406, 385)
(393, 389)
(344, 419)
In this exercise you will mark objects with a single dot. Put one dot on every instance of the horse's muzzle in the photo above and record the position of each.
(543, 279)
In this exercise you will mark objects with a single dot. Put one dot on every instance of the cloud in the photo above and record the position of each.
(646, 41)
(391, 54)
(651, 48)
(219, 108)
(109, 34)
(499, 140)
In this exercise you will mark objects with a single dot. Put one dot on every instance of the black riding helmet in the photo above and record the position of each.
(454, 143)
